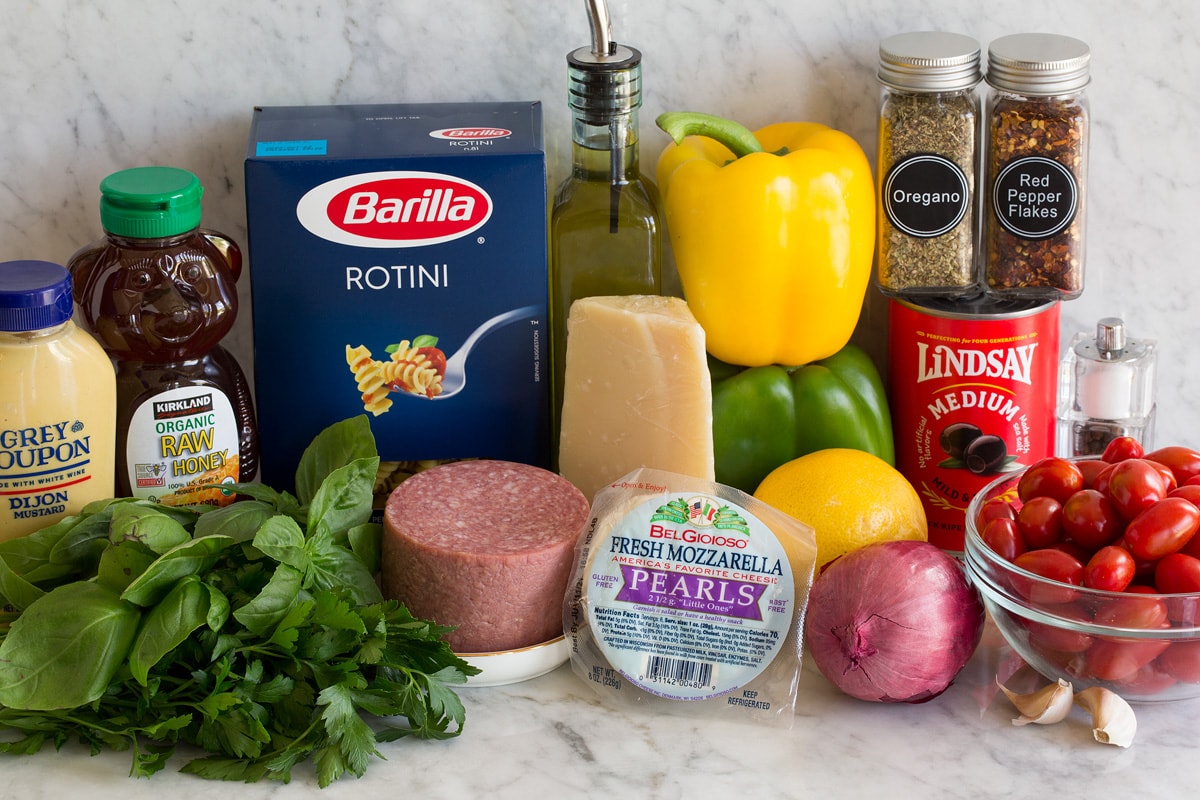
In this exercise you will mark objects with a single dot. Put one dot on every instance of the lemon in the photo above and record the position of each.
(850, 498)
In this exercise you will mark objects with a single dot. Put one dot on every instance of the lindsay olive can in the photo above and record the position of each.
(972, 387)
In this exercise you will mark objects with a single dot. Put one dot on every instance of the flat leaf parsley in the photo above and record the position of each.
(254, 631)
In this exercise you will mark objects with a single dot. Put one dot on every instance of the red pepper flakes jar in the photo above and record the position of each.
(1035, 172)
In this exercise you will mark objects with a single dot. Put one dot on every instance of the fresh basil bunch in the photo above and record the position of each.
(255, 631)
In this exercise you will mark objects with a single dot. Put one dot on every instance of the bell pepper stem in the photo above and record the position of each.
(680, 124)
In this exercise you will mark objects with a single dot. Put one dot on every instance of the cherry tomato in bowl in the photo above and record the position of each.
(1108, 602)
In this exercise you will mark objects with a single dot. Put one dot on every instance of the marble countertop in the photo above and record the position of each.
(552, 737)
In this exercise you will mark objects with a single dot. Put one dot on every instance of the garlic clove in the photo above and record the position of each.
(1113, 720)
(1046, 706)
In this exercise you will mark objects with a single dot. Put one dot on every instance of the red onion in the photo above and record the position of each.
(893, 622)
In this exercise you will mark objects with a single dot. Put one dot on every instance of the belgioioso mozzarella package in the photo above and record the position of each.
(689, 595)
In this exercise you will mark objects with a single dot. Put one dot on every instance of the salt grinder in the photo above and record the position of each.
(1109, 387)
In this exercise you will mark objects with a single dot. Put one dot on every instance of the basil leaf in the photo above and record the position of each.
(24, 554)
(121, 563)
(218, 608)
(64, 650)
(167, 625)
(15, 590)
(239, 521)
(339, 444)
(366, 542)
(82, 545)
(282, 502)
(344, 497)
(282, 539)
(335, 568)
(147, 525)
(191, 558)
(273, 602)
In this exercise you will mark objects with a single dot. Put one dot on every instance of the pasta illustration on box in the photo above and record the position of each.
(415, 368)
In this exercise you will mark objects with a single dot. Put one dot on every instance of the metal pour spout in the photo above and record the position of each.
(606, 82)
(602, 43)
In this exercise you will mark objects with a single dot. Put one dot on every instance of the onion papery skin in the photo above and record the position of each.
(893, 622)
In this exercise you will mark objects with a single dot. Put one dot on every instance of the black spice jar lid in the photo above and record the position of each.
(1039, 64)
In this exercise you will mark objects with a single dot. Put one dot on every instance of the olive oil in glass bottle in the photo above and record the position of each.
(605, 229)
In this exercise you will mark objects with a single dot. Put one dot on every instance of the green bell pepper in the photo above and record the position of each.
(767, 416)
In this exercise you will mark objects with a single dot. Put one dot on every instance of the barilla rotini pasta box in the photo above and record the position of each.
(398, 263)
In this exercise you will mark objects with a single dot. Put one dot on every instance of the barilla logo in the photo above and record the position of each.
(394, 209)
(470, 133)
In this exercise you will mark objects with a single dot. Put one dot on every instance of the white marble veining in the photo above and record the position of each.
(89, 88)
(552, 737)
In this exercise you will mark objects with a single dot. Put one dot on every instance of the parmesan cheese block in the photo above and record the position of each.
(637, 392)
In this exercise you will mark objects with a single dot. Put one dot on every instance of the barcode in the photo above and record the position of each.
(661, 668)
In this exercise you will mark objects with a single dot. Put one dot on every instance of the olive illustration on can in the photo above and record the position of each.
(986, 454)
(968, 447)
(957, 436)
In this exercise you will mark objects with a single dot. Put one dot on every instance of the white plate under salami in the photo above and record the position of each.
(515, 666)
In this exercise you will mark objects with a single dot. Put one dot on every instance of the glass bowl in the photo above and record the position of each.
(1060, 630)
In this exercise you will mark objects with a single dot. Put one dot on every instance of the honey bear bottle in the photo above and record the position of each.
(159, 292)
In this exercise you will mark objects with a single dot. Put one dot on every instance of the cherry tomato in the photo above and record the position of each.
(1073, 550)
(1110, 569)
(1043, 637)
(1050, 477)
(1150, 679)
(1177, 573)
(1192, 548)
(1100, 482)
(1133, 610)
(1168, 476)
(1189, 492)
(1115, 659)
(1040, 522)
(1090, 520)
(1090, 468)
(1133, 486)
(1145, 569)
(1001, 534)
(1192, 481)
(1182, 661)
(1183, 461)
(1163, 528)
(993, 508)
(1121, 448)
(1054, 565)
(1183, 609)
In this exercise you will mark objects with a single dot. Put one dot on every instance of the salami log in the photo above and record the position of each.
(485, 546)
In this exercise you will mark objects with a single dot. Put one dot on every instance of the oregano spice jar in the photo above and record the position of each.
(1037, 121)
(929, 151)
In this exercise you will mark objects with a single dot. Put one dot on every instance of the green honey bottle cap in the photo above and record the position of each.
(150, 202)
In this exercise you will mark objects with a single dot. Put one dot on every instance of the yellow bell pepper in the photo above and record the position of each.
(773, 234)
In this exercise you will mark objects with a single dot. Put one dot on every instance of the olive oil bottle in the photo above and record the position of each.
(605, 226)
